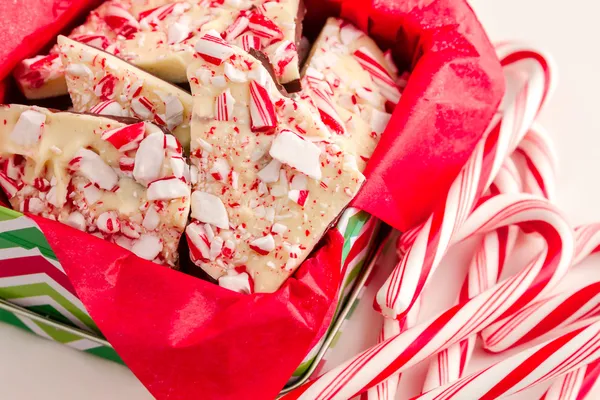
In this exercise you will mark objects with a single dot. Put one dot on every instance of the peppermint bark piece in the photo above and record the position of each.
(159, 36)
(104, 84)
(353, 86)
(266, 182)
(122, 180)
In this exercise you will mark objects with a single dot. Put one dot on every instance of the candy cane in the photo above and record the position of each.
(525, 369)
(486, 266)
(408, 279)
(402, 351)
(507, 181)
(387, 389)
(550, 312)
(575, 385)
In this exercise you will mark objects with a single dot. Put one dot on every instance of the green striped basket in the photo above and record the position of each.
(36, 295)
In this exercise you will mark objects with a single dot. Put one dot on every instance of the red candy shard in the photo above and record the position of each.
(9, 186)
(213, 48)
(262, 110)
(237, 28)
(224, 106)
(120, 21)
(125, 138)
(250, 41)
(264, 27)
(298, 196)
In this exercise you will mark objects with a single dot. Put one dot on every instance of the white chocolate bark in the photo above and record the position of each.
(126, 183)
(348, 78)
(104, 84)
(159, 36)
(266, 182)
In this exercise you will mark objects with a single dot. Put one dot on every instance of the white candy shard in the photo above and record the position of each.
(151, 219)
(76, 220)
(279, 229)
(270, 173)
(93, 167)
(234, 74)
(263, 245)
(210, 209)
(149, 158)
(177, 33)
(379, 120)
(28, 129)
(289, 148)
(236, 282)
(173, 111)
(220, 169)
(147, 247)
(167, 189)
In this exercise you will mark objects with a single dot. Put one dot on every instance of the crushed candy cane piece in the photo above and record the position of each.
(210, 209)
(148, 246)
(234, 74)
(298, 196)
(264, 27)
(237, 282)
(167, 189)
(270, 173)
(262, 110)
(224, 106)
(291, 149)
(109, 107)
(125, 138)
(149, 158)
(213, 49)
(198, 241)
(28, 129)
(151, 219)
(108, 222)
(93, 167)
(77, 221)
(263, 245)
(379, 120)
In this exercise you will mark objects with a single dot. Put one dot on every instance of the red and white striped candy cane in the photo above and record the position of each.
(575, 385)
(540, 160)
(522, 103)
(532, 366)
(387, 389)
(507, 181)
(552, 311)
(402, 351)
(486, 266)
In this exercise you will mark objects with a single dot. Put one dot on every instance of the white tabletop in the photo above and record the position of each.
(34, 368)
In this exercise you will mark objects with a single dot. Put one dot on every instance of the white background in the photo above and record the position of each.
(33, 368)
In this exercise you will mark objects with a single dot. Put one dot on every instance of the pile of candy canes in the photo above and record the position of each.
(506, 188)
